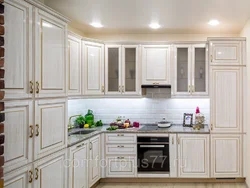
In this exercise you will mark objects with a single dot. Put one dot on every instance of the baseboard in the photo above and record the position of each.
(171, 180)
(96, 184)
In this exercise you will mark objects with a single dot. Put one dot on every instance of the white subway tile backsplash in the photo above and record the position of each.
(143, 110)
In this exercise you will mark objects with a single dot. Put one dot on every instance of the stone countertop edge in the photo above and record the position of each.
(75, 139)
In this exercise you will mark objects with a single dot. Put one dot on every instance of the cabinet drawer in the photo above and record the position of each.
(121, 149)
(121, 166)
(120, 138)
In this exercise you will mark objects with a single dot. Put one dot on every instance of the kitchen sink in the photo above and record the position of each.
(82, 132)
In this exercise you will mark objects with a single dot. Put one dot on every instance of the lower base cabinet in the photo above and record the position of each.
(193, 155)
(121, 166)
(226, 155)
(78, 167)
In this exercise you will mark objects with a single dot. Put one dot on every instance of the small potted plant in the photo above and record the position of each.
(80, 121)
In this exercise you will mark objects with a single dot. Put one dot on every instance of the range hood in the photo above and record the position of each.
(156, 91)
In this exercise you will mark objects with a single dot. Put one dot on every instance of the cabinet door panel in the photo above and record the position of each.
(18, 178)
(94, 157)
(74, 65)
(226, 102)
(193, 155)
(226, 52)
(51, 171)
(155, 65)
(51, 37)
(51, 126)
(78, 171)
(18, 144)
(94, 68)
(18, 41)
(226, 156)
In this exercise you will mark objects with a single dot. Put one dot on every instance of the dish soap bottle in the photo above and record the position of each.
(89, 118)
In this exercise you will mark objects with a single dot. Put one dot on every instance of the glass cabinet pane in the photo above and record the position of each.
(182, 69)
(200, 70)
(130, 69)
(113, 69)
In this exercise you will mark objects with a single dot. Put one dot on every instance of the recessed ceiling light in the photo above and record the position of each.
(213, 22)
(154, 26)
(96, 24)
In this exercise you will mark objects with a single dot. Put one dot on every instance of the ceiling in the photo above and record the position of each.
(174, 16)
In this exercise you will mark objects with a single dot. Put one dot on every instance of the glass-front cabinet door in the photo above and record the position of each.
(182, 69)
(113, 69)
(130, 69)
(199, 70)
(191, 70)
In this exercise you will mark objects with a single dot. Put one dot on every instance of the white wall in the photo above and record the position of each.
(144, 110)
(246, 33)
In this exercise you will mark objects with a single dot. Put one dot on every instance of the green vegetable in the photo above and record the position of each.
(92, 126)
(80, 120)
(99, 123)
(112, 128)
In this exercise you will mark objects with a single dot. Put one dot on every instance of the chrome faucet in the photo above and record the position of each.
(71, 126)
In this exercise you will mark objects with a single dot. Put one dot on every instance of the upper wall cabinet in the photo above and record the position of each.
(226, 52)
(18, 49)
(74, 65)
(156, 64)
(93, 69)
(121, 70)
(51, 49)
(191, 70)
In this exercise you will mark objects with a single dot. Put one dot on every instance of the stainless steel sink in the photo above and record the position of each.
(82, 132)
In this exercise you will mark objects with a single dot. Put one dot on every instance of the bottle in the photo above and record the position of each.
(89, 118)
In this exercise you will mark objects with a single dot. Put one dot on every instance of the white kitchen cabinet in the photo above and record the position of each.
(191, 70)
(94, 160)
(19, 133)
(51, 171)
(50, 126)
(226, 155)
(74, 65)
(173, 159)
(93, 79)
(226, 99)
(120, 138)
(51, 55)
(156, 64)
(121, 149)
(121, 166)
(18, 41)
(226, 52)
(193, 155)
(121, 70)
(78, 169)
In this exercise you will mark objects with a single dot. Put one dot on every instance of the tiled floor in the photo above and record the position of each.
(171, 185)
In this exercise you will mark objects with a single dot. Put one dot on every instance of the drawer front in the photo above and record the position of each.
(121, 138)
(121, 166)
(118, 149)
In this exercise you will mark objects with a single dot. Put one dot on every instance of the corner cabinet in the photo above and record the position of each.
(74, 65)
(226, 87)
(121, 70)
(190, 70)
(93, 69)
(156, 64)
(94, 173)
(50, 55)
(193, 155)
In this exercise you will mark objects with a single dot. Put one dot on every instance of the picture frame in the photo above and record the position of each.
(187, 120)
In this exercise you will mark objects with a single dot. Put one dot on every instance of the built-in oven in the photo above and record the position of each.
(153, 154)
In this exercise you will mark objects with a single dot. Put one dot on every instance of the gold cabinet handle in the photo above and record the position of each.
(90, 146)
(31, 87)
(31, 176)
(178, 140)
(172, 140)
(37, 87)
(211, 126)
(120, 146)
(119, 89)
(193, 89)
(120, 157)
(120, 135)
(37, 172)
(31, 131)
(37, 130)
(211, 58)
(189, 89)
(103, 89)
(122, 89)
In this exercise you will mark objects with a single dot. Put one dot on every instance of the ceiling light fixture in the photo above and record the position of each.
(213, 22)
(96, 24)
(154, 26)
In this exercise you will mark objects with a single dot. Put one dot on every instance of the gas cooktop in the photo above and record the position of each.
(152, 127)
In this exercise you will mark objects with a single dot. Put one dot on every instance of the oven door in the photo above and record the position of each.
(153, 157)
